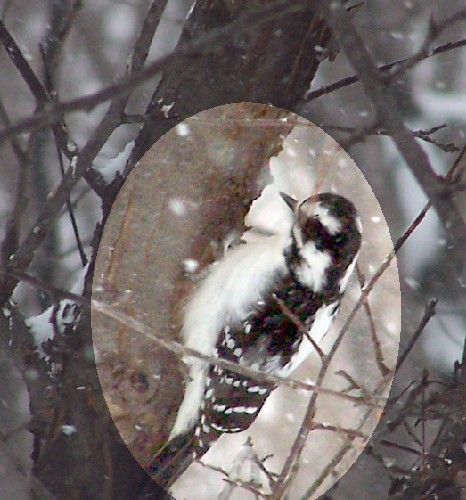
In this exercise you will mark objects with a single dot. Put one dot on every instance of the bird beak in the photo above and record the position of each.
(290, 201)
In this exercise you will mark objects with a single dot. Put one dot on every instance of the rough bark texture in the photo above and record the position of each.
(213, 173)
(271, 62)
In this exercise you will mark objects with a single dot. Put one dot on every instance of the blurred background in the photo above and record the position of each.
(431, 94)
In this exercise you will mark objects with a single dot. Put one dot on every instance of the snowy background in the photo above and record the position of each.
(431, 94)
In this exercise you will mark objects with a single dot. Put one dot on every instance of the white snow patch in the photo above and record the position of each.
(166, 108)
(68, 430)
(413, 283)
(268, 214)
(42, 326)
(190, 266)
(110, 168)
(177, 206)
(183, 129)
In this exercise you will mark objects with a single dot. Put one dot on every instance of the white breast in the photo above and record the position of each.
(322, 322)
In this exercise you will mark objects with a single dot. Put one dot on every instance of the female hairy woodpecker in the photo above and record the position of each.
(249, 310)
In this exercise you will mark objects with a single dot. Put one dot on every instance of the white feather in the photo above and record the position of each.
(312, 271)
(359, 224)
(347, 275)
(232, 287)
(332, 224)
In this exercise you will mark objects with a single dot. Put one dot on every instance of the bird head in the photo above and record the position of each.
(325, 240)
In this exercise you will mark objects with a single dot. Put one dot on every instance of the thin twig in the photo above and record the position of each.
(36, 87)
(351, 80)
(423, 423)
(345, 447)
(353, 384)
(413, 391)
(456, 171)
(70, 209)
(13, 224)
(351, 433)
(194, 48)
(389, 116)
(34, 84)
(180, 350)
(298, 445)
(57, 294)
(422, 134)
(408, 449)
(384, 370)
(79, 166)
(55, 41)
(435, 29)
(183, 351)
(429, 311)
(299, 324)
(116, 111)
(16, 146)
(233, 479)
(252, 487)
(51, 52)
(411, 433)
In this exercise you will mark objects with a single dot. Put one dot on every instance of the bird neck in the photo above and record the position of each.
(329, 291)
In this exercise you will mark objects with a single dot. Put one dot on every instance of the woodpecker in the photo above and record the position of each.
(256, 307)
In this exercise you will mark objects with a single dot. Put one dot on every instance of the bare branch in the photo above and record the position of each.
(52, 49)
(195, 48)
(429, 311)
(114, 115)
(351, 80)
(408, 449)
(351, 433)
(384, 370)
(35, 85)
(14, 223)
(292, 462)
(79, 166)
(144, 40)
(69, 206)
(423, 134)
(344, 448)
(38, 90)
(181, 351)
(389, 116)
(435, 29)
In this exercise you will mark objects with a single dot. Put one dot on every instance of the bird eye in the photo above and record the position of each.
(341, 238)
(319, 243)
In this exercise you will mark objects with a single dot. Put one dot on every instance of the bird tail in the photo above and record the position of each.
(173, 459)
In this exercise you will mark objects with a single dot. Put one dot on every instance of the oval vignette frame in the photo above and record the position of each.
(191, 192)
